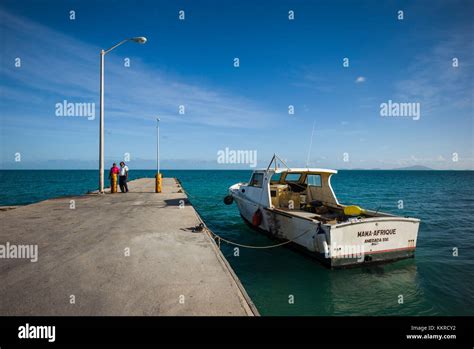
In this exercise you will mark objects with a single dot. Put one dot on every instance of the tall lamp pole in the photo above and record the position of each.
(157, 146)
(140, 40)
(158, 179)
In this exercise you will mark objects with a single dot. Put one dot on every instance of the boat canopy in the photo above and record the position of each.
(286, 168)
(303, 170)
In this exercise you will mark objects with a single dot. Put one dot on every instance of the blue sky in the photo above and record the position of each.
(282, 63)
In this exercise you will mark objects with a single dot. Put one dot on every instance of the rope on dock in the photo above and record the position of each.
(220, 238)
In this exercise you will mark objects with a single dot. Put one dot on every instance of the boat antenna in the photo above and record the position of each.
(310, 144)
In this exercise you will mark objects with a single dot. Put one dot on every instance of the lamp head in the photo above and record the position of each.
(139, 39)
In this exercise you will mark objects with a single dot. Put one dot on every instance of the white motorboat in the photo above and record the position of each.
(298, 205)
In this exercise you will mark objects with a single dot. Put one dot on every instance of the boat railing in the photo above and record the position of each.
(275, 160)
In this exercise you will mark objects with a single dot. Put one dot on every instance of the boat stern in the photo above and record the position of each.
(373, 240)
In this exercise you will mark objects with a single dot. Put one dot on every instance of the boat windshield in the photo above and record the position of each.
(292, 177)
(313, 180)
(275, 178)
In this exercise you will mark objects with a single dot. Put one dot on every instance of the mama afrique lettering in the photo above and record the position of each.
(380, 232)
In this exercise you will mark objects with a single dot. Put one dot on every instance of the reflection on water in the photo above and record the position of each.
(378, 290)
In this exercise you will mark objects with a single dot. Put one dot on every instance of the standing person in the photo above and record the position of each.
(123, 177)
(113, 170)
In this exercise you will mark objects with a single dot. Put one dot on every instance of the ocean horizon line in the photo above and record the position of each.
(233, 169)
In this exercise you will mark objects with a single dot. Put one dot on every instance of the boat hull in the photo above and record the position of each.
(355, 243)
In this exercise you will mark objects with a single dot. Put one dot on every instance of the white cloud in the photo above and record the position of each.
(431, 78)
(55, 64)
(360, 80)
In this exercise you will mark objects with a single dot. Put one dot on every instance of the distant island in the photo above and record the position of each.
(408, 168)
(415, 168)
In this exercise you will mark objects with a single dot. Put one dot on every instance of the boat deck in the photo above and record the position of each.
(329, 218)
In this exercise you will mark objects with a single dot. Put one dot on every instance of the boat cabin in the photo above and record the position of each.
(296, 188)
(303, 192)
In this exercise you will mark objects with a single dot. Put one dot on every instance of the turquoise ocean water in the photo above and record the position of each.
(434, 283)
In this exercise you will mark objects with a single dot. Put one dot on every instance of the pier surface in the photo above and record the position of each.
(117, 254)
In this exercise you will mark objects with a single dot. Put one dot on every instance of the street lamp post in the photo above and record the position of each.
(140, 40)
(157, 146)
(158, 180)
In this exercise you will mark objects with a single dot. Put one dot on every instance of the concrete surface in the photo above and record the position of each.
(82, 252)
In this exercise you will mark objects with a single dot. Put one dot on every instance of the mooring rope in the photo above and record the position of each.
(255, 247)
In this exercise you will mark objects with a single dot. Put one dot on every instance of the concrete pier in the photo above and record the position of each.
(117, 254)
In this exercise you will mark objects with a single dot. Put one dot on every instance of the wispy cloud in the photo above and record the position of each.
(55, 64)
(312, 78)
(360, 79)
(432, 79)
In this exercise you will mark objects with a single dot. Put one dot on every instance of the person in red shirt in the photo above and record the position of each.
(113, 170)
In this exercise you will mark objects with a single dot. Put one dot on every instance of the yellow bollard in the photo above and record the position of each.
(113, 184)
(158, 181)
